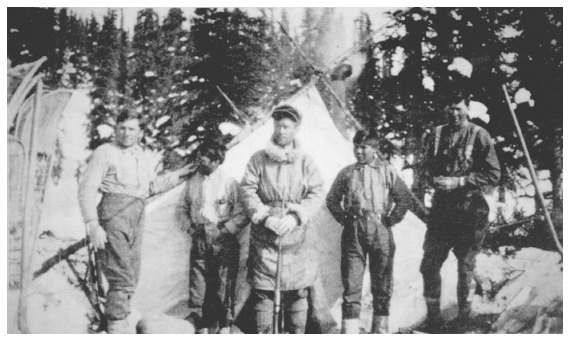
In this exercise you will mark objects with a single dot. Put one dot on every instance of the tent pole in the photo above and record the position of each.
(532, 173)
(241, 114)
(325, 81)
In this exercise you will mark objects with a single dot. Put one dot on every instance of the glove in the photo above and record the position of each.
(273, 223)
(448, 183)
(288, 222)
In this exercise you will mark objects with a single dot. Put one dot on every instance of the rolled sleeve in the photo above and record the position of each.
(163, 183)
(96, 170)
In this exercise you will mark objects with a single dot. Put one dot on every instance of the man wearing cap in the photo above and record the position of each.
(461, 164)
(282, 189)
(125, 174)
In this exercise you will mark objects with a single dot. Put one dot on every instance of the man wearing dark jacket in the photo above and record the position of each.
(361, 199)
(461, 165)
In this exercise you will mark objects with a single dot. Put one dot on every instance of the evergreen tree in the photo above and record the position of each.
(123, 58)
(31, 35)
(146, 63)
(105, 93)
(229, 52)
(175, 57)
(310, 36)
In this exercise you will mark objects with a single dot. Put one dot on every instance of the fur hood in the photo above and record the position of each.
(277, 154)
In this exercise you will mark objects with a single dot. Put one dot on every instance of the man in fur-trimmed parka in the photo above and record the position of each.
(281, 190)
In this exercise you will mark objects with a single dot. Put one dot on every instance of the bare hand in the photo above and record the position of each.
(287, 223)
(273, 224)
(188, 169)
(212, 232)
(97, 235)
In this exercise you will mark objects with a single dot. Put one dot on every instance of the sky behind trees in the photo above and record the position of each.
(349, 14)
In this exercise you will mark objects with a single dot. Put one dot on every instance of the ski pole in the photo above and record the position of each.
(533, 174)
(94, 273)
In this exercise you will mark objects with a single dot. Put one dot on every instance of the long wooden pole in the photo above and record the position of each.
(533, 174)
(241, 115)
(353, 50)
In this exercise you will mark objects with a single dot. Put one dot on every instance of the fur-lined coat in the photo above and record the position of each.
(274, 176)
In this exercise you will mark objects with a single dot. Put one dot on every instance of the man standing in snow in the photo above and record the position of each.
(461, 165)
(282, 189)
(361, 199)
(211, 202)
(124, 173)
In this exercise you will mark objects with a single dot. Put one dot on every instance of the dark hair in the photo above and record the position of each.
(212, 149)
(369, 137)
(126, 114)
(457, 91)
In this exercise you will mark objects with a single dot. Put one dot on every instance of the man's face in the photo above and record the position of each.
(364, 153)
(457, 113)
(128, 133)
(205, 165)
(284, 131)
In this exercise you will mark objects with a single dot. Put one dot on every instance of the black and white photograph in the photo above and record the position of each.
(284, 170)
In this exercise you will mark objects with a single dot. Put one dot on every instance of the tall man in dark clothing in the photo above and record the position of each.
(368, 198)
(461, 165)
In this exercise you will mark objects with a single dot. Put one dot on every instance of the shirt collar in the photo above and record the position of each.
(135, 150)
(376, 163)
(215, 175)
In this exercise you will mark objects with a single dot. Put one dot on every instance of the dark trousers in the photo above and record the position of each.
(364, 236)
(122, 218)
(457, 222)
(294, 310)
(213, 273)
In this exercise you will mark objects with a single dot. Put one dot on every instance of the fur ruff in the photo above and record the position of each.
(277, 154)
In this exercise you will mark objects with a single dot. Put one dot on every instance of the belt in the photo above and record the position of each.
(109, 194)
(278, 204)
(363, 213)
(219, 225)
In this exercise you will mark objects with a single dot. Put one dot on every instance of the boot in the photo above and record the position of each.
(350, 326)
(117, 327)
(379, 325)
(203, 331)
(459, 324)
(225, 330)
(433, 324)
